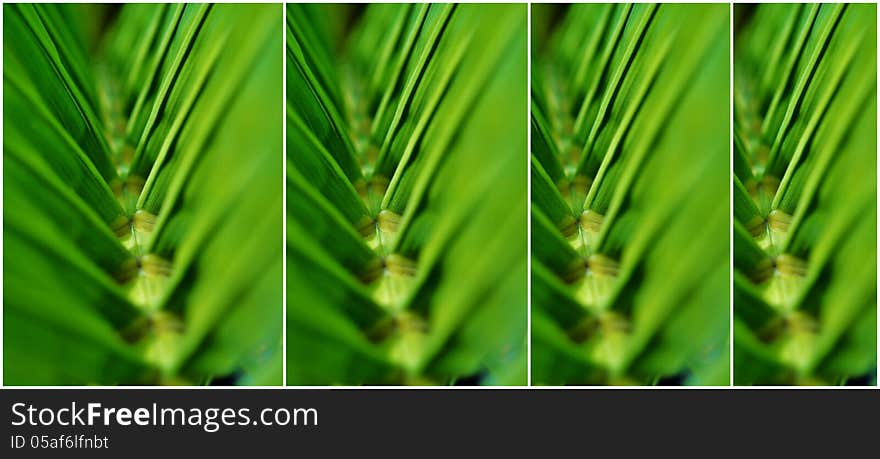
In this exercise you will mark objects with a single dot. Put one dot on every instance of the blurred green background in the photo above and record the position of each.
(406, 189)
(630, 202)
(142, 194)
(805, 194)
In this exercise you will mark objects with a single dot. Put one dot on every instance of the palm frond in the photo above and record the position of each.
(142, 194)
(805, 188)
(406, 194)
(629, 196)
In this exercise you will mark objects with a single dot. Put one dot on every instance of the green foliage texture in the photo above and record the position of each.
(142, 191)
(406, 194)
(804, 194)
(630, 195)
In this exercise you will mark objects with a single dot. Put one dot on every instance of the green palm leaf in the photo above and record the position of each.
(629, 216)
(406, 194)
(805, 250)
(140, 176)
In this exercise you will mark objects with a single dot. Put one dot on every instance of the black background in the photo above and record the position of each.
(491, 423)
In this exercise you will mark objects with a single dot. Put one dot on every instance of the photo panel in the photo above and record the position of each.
(630, 203)
(805, 194)
(406, 194)
(142, 194)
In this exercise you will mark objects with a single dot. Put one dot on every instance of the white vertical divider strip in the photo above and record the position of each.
(730, 196)
(528, 195)
(283, 6)
(877, 11)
